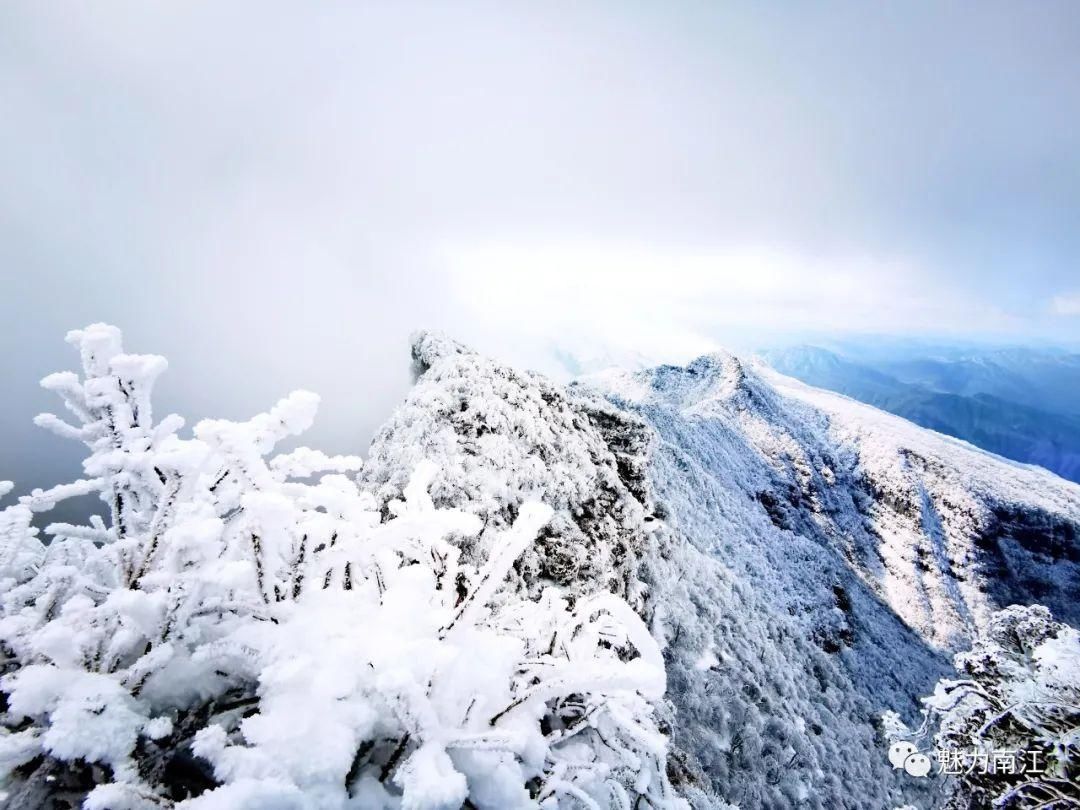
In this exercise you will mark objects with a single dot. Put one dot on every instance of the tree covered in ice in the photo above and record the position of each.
(1011, 722)
(251, 628)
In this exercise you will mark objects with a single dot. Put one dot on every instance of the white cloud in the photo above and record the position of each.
(677, 303)
(1068, 304)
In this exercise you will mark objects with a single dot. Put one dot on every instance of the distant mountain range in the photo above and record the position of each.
(1018, 402)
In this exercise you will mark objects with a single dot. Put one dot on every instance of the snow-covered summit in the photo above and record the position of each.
(502, 436)
(941, 531)
(718, 380)
(428, 347)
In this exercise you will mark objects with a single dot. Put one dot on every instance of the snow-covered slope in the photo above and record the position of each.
(809, 562)
(962, 532)
(938, 529)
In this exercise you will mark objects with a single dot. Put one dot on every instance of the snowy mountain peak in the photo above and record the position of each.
(502, 436)
(717, 378)
(428, 347)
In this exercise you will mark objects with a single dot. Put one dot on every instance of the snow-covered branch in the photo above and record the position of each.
(233, 632)
(1019, 692)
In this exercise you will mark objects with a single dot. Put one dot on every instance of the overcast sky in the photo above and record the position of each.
(273, 195)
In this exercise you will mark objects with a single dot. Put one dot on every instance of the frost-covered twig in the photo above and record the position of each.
(308, 646)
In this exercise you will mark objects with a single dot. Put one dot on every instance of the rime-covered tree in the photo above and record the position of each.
(1018, 694)
(251, 630)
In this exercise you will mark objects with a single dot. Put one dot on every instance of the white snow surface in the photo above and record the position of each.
(883, 545)
(705, 582)
(808, 562)
(233, 638)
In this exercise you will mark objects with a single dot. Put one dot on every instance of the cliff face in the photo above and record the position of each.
(807, 561)
(502, 436)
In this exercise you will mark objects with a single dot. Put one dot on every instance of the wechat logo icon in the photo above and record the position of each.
(904, 754)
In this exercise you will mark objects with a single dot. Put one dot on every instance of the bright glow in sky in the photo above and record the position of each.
(674, 304)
